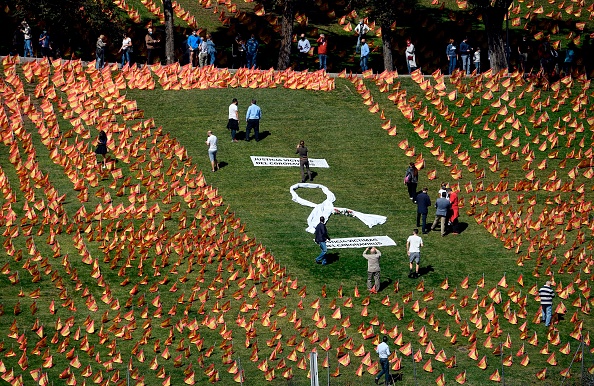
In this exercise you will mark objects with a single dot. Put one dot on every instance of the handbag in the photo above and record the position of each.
(410, 57)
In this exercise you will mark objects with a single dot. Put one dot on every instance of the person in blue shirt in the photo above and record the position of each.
(251, 51)
(252, 116)
(569, 58)
(44, 42)
(193, 43)
(364, 55)
(211, 49)
(465, 55)
(451, 55)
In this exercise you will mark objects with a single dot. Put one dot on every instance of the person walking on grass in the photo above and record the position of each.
(383, 350)
(101, 147)
(546, 294)
(413, 250)
(423, 204)
(411, 179)
(211, 142)
(442, 206)
(373, 268)
(321, 234)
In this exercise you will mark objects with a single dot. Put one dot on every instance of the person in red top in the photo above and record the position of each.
(322, 50)
(454, 212)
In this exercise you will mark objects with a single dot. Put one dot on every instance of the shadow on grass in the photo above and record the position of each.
(332, 257)
(223, 164)
(425, 270)
(385, 284)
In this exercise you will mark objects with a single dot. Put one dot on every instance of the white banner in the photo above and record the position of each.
(291, 162)
(360, 242)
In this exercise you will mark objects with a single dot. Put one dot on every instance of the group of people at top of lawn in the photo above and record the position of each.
(446, 205)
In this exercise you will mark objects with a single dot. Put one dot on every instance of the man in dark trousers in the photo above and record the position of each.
(321, 234)
(423, 204)
(546, 294)
(442, 207)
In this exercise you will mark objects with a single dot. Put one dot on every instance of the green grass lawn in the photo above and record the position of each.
(142, 268)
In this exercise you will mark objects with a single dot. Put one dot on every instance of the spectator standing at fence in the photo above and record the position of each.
(523, 49)
(211, 49)
(26, 30)
(100, 52)
(364, 55)
(451, 54)
(477, 60)
(465, 55)
(252, 46)
(151, 45)
(361, 29)
(203, 53)
(410, 56)
(193, 44)
(322, 51)
(45, 43)
(125, 49)
(303, 46)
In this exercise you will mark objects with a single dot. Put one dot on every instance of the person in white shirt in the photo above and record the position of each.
(413, 249)
(383, 350)
(233, 123)
(126, 49)
(211, 142)
(361, 29)
(203, 53)
(411, 57)
(303, 46)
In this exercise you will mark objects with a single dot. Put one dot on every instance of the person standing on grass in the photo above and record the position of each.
(252, 117)
(321, 234)
(442, 206)
(413, 250)
(101, 147)
(383, 350)
(454, 212)
(361, 29)
(211, 142)
(233, 123)
(45, 43)
(477, 60)
(411, 179)
(423, 204)
(546, 294)
(203, 53)
(303, 161)
(322, 51)
(364, 55)
(373, 268)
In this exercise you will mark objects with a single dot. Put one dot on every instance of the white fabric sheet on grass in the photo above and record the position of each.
(287, 162)
(327, 208)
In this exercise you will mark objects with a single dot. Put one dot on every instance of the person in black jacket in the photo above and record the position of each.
(321, 234)
(423, 204)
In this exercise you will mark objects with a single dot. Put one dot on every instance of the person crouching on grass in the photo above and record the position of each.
(373, 268)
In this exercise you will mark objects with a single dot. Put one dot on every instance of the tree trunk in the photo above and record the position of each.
(284, 53)
(387, 47)
(169, 38)
(493, 18)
